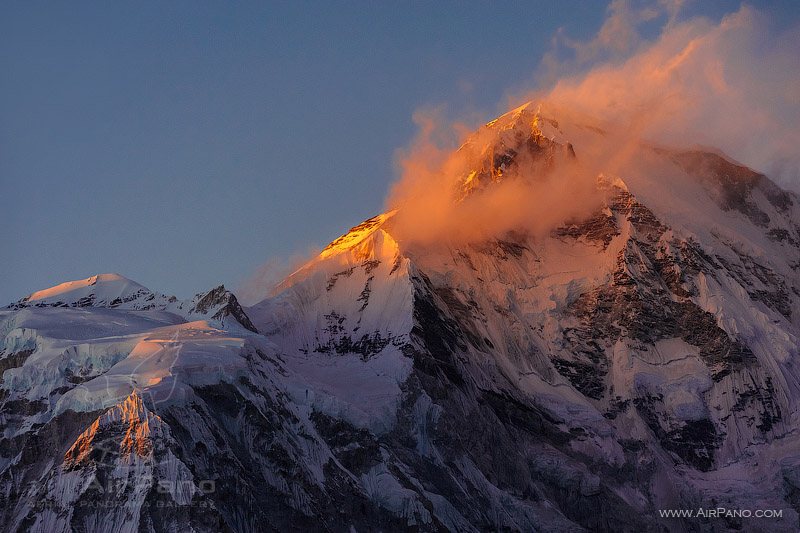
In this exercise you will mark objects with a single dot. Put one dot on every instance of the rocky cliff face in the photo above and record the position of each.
(641, 358)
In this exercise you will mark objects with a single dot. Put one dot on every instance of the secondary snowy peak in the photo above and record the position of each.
(218, 304)
(366, 244)
(356, 235)
(101, 290)
(113, 291)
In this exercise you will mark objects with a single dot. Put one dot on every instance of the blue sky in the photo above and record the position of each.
(183, 144)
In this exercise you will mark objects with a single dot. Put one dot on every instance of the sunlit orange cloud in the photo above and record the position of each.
(732, 84)
(429, 195)
(729, 84)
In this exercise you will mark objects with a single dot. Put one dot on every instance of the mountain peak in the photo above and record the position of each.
(522, 136)
(99, 290)
(219, 303)
(530, 119)
(356, 234)
(77, 284)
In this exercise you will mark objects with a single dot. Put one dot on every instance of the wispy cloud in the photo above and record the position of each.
(733, 84)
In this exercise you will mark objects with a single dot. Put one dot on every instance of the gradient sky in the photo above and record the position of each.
(183, 144)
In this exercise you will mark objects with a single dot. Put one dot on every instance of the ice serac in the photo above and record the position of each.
(639, 357)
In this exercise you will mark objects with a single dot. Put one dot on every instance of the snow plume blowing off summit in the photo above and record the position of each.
(732, 84)
(444, 194)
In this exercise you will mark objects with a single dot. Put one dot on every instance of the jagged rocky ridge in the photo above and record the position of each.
(641, 358)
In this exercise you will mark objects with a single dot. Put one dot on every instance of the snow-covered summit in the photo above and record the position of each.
(523, 136)
(101, 290)
(115, 291)
(529, 116)
(217, 304)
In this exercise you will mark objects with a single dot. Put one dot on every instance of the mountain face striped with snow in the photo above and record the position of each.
(641, 358)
